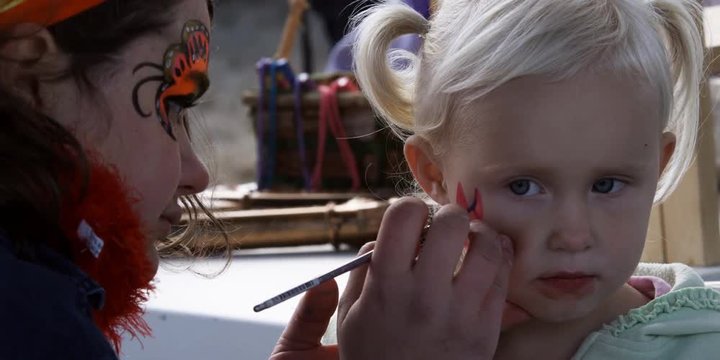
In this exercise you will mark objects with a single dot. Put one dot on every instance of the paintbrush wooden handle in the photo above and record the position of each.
(297, 8)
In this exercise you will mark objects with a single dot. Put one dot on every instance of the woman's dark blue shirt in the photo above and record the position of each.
(45, 308)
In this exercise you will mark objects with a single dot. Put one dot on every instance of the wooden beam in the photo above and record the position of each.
(685, 228)
(690, 215)
(712, 57)
(654, 250)
(711, 31)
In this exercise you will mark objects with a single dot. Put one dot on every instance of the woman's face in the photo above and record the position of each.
(136, 122)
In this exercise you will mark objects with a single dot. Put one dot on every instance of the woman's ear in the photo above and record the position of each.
(667, 148)
(27, 54)
(425, 169)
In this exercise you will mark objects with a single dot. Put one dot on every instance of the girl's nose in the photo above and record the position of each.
(194, 176)
(572, 230)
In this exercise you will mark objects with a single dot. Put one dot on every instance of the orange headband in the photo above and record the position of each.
(43, 12)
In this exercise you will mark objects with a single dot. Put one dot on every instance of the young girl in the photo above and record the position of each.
(94, 156)
(569, 118)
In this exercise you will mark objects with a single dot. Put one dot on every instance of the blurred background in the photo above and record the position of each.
(243, 32)
(247, 30)
(197, 318)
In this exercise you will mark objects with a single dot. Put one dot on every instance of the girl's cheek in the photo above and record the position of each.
(505, 211)
(520, 220)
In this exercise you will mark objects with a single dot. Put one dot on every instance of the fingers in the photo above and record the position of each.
(310, 320)
(355, 285)
(481, 263)
(428, 302)
(398, 238)
(513, 315)
(495, 300)
(443, 245)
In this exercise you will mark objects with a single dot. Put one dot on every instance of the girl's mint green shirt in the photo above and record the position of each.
(682, 324)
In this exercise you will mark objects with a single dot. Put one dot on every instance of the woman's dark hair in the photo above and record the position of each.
(34, 148)
(94, 36)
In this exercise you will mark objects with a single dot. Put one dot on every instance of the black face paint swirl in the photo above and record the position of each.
(184, 74)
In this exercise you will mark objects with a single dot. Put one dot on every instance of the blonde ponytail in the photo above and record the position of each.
(473, 47)
(390, 88)
(680, 22)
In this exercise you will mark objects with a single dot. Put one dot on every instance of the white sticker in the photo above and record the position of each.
(93, 242)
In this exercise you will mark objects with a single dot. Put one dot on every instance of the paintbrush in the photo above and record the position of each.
(362, 259)
(475, 209)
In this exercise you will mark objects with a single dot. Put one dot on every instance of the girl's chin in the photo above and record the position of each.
(514, 315)
(561, 314)
(558, 311)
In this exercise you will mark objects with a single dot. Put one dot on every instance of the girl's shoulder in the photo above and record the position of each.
(682, 323)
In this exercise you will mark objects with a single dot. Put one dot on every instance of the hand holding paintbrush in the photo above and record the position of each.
(402, 290)
(474, 210)
(428, 297)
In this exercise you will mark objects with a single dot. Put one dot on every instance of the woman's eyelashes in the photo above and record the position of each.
(177, 110)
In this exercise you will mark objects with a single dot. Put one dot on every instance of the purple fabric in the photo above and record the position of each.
(340, 57)
(421, 6)
(650, 286)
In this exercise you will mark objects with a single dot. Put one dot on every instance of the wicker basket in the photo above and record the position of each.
(377, 152)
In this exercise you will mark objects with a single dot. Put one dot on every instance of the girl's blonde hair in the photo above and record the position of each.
(472, 47)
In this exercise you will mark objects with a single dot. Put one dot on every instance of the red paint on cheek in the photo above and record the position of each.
(475, 209)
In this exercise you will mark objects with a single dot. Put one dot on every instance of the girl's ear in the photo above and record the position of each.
(667, 144)
(27, 54)
(425, 169)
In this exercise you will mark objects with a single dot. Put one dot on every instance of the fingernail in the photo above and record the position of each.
(476, 226)
(507, 248)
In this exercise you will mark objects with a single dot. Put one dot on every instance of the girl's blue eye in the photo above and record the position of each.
(607, 186)
(524, 187)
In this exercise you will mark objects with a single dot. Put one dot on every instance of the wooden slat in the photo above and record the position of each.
(690, 215)
(354, 222)
(654, 250)
(688, 220)
(712, 57)
(711, 19)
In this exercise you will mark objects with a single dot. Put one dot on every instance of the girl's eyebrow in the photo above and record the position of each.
(626, 167)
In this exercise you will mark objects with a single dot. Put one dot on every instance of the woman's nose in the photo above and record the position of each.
(572, 230)
(194, 176)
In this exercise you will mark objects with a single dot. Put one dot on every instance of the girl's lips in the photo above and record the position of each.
(565, 275)
(572, 285)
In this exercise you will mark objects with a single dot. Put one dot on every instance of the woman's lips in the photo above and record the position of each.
(172, 217)
(166, 226)
(572, 285)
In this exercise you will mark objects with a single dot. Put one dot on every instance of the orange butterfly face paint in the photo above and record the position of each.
(475, 208)
(184, 79)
